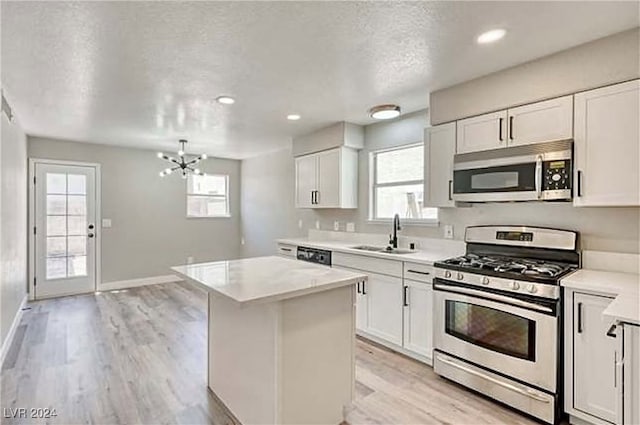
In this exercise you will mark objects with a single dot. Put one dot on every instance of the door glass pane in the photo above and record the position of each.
(77, 245)
(400, 165)
(56, 246)
(56, 204)
(77, 184)
(77, 205)
(77, 225)
(56, 225)
(77, 266)
(492, 329)
(56, 268)
(56, 183)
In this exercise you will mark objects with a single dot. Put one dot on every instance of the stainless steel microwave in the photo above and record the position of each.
(538, 172)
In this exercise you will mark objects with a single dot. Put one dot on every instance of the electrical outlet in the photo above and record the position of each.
(351, 227)
(300, 224)
(336, 225)
(448, 231)
(106, 223)
(318, 224)
(241, 241)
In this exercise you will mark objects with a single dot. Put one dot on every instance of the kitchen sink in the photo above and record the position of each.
(382, 249)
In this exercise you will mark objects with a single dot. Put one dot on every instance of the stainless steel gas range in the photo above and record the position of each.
(497, 314)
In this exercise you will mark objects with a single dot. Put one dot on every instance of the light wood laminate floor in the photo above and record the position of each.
(139, 356)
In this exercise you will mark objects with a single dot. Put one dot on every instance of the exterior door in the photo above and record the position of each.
(594, 358)
(65, 230)
(306, 180)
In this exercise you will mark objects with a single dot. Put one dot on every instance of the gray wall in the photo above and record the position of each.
(13, 222)
(601, 62)
(606, 229)
(150, 231)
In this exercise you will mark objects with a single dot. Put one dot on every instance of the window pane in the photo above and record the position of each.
(77, 184)
(56, 225)
(400, 165)
(77, 205)
(206, 206)
(56, 268)
(77, 245)
(56, 183)
(77, 266)
(406, 200)
(56, 246)
(207, 185)
(56, 204)
(77, 225)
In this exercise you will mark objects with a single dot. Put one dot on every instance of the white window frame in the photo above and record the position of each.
(227, 213)
(373, 185)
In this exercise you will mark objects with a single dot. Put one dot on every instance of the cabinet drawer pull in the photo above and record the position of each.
(419, 272)
(285, 249)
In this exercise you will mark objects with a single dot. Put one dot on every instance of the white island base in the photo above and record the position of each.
(284, 354)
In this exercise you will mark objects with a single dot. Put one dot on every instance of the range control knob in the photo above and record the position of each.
(515, 285)
(447, 274)
(533, 288)
(485, 280)
(459, 276)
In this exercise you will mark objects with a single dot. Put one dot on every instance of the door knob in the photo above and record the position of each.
(90, 235)
(91, 227)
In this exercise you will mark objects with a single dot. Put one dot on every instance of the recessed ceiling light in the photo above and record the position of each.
(225, 100)
(293, 117)
(491, 36)
(384, 112)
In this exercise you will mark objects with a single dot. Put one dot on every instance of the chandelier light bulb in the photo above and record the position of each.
(168, 170)
(197, 171)
(162, 174)
(203, 156)
(183, 164)
(160, 154)
(180, 152)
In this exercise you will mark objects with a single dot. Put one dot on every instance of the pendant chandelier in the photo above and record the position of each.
(180, 164)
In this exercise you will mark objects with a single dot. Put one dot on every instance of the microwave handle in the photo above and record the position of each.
(539, 176)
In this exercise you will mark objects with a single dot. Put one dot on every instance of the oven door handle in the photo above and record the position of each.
(494, 297)
(539, 176)
(529, 393)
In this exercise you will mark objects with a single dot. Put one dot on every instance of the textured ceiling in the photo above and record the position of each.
(143, 74)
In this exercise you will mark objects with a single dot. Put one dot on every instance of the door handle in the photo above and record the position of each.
(91, 226)
(500, 129)
(450, 190)
(579, 318)
(405, 300)
(90, 235)
(511, 127)
(538, 176)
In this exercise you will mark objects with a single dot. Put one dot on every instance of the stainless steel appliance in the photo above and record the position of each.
(497, 315)
(539, 172)
(314, 255)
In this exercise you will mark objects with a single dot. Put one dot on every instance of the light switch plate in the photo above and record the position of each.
(318, 224)
(351, 227)
(106, 223)
(336, 225)
(448, 231)
(300, 224)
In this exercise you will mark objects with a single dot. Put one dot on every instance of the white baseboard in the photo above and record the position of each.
(132, 283)
(6, 344)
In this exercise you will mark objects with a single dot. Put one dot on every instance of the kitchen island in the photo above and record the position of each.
(281, 338)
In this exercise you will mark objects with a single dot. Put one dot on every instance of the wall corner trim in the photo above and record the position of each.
(6, 344)
(132, 283)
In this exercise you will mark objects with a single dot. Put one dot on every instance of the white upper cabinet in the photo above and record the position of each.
(439, 148)
(482, 133)
(607, 136)
(540, 122)
(327, 179)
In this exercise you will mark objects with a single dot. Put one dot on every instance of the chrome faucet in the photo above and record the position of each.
(393, 239)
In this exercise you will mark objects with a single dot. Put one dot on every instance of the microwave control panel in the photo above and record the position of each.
(556, 175)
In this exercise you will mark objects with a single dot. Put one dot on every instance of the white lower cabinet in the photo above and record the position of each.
(631, 374)
(418, 318)
(384, 307)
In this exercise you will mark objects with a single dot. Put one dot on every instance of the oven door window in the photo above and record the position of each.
(508, 178)
(492, 329)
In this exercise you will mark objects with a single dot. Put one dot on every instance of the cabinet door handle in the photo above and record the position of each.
(286, 249)
(579, 318)
(450, 190)
(511, 127)
(612, 331)
(317, 197)
(358, 286)
(364, 288)
(500, 129)
(405, 301)
(579, 183)
(312, 199)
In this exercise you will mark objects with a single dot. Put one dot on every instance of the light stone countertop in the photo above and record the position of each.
(265, 279)
(423, 256)
(624, 286)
